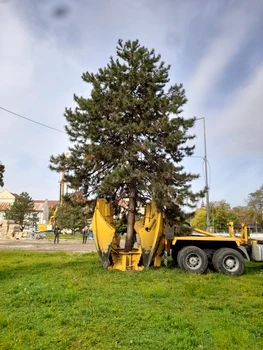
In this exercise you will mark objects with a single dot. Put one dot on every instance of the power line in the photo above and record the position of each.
(31, 120)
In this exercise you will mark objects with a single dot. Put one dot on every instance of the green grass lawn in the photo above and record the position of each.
(67, 301)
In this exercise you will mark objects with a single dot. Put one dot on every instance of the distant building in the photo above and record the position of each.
(6, 200)
(3, 208)
(42, 207)
(7, 197)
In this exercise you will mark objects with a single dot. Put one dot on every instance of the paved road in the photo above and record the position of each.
(46, 245)
(70, 246)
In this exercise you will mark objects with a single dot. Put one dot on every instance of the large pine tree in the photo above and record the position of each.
(129, 135)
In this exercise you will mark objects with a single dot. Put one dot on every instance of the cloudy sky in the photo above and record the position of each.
(215, 48)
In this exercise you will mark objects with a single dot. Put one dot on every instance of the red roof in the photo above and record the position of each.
(14, 194)
(4, 206)
(51, 203)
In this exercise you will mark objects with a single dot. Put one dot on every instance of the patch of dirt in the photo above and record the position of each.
(46, 245)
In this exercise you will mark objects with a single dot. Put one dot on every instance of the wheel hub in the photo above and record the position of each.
(193, 261)
(231, 263)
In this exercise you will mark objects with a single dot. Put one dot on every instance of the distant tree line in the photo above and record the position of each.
(221, 213)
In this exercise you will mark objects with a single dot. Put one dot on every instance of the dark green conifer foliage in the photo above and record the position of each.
(129, 136)
(74, 213)
(2, 170)
(22, 211)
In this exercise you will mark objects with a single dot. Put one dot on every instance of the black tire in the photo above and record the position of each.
(179, 259)
(214, 259)
(229, 261)
(192, 259)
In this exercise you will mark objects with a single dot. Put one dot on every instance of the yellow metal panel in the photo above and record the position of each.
(150, 211)
(158, 254)
(126, 260)
(231, 229)
(105, 209)
(42, 227)
(138, 225)
(207, 239)
(103, 231)
(244, 234)
(151, 233)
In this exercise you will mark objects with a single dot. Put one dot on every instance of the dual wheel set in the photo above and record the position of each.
(227, 261)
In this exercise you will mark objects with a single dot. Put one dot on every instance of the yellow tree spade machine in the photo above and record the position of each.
(192, 253)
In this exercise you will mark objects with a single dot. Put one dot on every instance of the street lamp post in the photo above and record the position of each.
(206, 180)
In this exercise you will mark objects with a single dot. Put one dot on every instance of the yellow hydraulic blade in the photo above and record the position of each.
(103, 230)
(150, 211)
(138, 225)
(151, 233)
(105, 209)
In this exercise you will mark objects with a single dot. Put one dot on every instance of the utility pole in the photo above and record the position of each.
(206, 180)
(62, 183)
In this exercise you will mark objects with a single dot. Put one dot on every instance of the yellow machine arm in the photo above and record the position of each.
(52, 219)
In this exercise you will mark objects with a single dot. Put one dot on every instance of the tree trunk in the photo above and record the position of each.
(131, 220)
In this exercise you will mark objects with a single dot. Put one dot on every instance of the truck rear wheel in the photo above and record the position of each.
(229, 262)
(192, 259)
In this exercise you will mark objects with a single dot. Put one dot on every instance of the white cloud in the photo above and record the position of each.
(236, 142)
(26, 147)
(16, 65)
(234, 30)
(241, 119)
(234, 125)
(42, 59)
